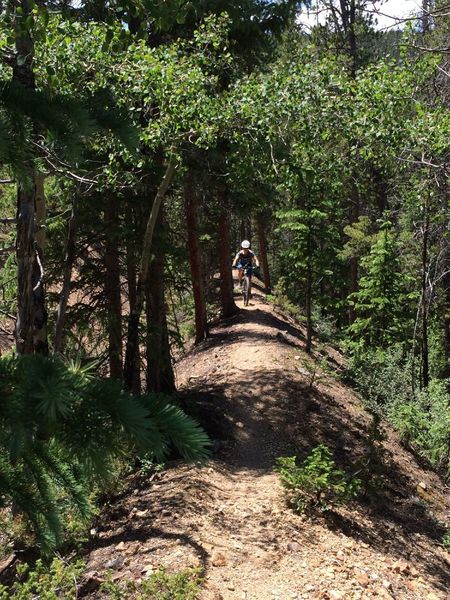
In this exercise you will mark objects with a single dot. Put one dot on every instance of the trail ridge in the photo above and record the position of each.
(249, 386)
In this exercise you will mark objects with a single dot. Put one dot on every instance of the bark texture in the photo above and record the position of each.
(159, 375)
(262, 243)
(229, 307)
(131, 263)
(132, 348)
(31, 324)
(195, 260)
(67, 277)
(113, 295)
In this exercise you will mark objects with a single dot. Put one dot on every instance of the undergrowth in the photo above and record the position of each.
(63, 434)
(161, 585)
(53, 582)
(61, 579)
(446, 540)
(281, 300)
(383, 378)
(317, 483)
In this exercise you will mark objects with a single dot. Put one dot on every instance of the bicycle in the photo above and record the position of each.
(246, 283)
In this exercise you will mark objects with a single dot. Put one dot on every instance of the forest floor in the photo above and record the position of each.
(249, 386)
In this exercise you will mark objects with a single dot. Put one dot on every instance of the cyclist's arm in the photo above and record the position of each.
(236, 259)
(255, 258)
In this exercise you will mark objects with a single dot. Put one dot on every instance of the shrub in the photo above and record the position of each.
(280, 299)
(53, 582)
(446, 541)
(317, 483)
(185, 585)
(383, 377)
(424, 421)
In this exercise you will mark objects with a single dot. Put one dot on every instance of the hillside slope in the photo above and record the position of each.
(249, 387)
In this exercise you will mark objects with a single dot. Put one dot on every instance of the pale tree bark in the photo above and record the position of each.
(31, 323)
(133, 325)
(425, 366)
(113, 294)
(308, 298)
(446, 286)
(131, 263)
(354, 266)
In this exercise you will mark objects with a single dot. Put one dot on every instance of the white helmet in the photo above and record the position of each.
(245, 244)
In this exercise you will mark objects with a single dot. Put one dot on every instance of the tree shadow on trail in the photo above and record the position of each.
(274, 413)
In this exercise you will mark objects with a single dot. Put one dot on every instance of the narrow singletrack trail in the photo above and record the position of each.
(250, 386)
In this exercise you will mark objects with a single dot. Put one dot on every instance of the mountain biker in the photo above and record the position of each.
(245, 258)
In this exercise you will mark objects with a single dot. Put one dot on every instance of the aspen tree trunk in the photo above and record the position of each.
(113, 295)
(354, 199)
(308, 292)
(40, 333)
(132, 348)
(132, 285)
(67, 277)
(159, 375)
(229, 307)
(425, 354)
(426, 4)
(262, 243)
(197, 275)
(31, 324)
(348, 15)
(446, 286)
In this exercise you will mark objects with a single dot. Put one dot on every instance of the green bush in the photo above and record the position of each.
(159, 586)
(53, 582)
(424, 421)
(317, 483)
(383, 377)
(446, 541)
(280, 299)
(61, 432)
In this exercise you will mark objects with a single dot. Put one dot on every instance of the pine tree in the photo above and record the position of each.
(61, 428)
(382, 303)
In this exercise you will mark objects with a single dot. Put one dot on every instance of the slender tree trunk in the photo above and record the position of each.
(229, 307)
(425, 354)
(113, 294)
(352, 39)
(262, 243)
(354, 210)
(160, 376)
(133, 325)
(425, 17)
(381, 190)
(40, 333)
(132, 285)
(31, 323)
(446, 287)
(308, 292)
(197, 276)
(67, 277)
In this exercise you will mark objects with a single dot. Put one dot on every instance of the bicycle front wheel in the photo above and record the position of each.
(246, 289)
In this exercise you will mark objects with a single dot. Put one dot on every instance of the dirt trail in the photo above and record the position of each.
(249, 386)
